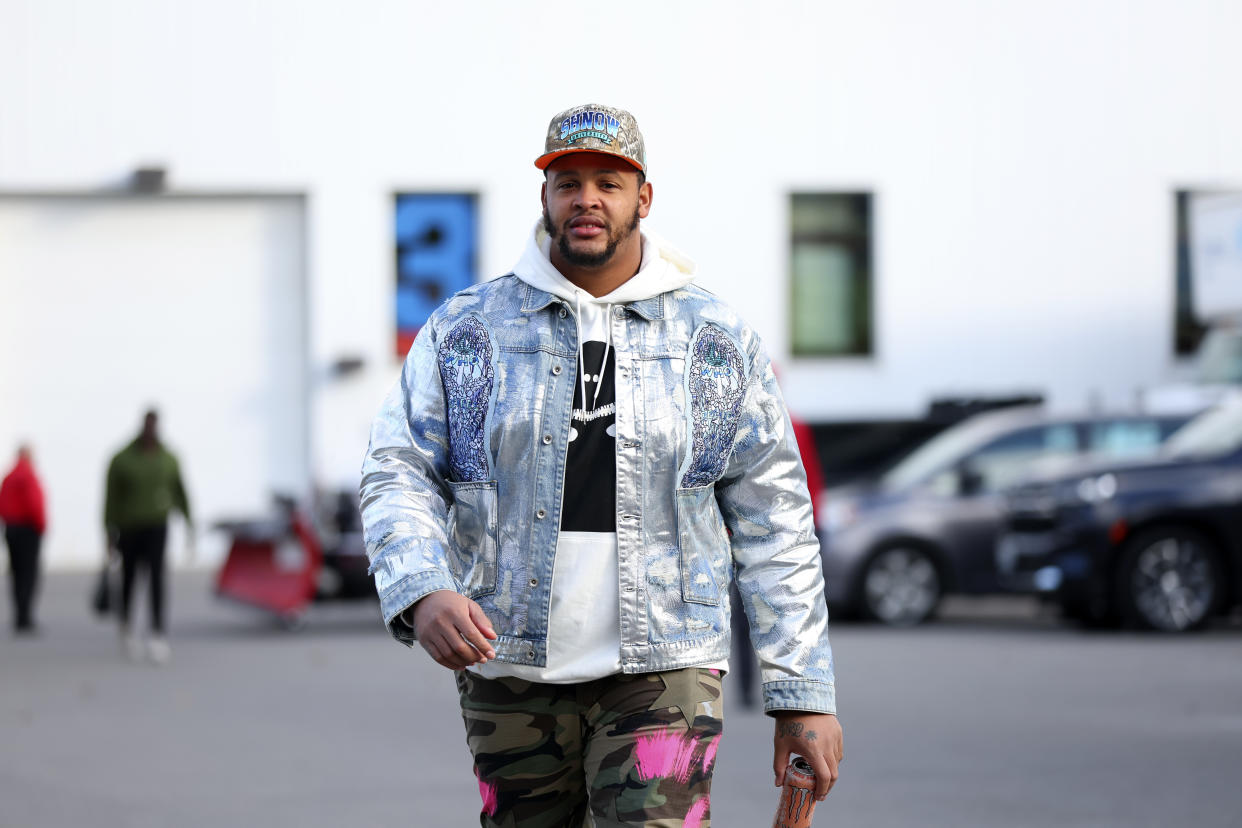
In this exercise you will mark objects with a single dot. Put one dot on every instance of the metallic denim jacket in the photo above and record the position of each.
(461, 485)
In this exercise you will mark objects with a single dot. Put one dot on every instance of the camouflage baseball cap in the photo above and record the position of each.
(594, 128)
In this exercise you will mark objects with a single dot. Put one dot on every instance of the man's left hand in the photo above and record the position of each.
(817, 738)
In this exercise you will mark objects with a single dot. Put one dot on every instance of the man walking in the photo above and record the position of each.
(144, 485)
(24, 514)
(577, 460)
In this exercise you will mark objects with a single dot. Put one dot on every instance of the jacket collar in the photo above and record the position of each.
(536, 300)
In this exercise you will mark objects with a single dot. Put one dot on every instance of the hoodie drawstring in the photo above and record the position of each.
(582, 372)
(599, 382)
(581, 358)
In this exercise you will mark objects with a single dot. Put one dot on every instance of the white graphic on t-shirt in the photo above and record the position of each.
(587, 416)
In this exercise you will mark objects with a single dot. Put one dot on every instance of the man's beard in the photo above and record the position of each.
(589, 260)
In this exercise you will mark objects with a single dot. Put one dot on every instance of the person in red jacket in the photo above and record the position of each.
(25, 519)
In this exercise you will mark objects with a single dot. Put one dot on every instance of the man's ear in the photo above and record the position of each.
(645, 192)
(543, 194)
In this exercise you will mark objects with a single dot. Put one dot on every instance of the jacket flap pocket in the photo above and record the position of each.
(474, 535)
(704, 545)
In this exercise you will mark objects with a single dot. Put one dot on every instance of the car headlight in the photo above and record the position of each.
(1096, 489)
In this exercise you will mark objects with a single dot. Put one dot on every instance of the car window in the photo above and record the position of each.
(937, 455)
(1004, 461)
(1125, 438)
(1220, 357)
(1216, 432)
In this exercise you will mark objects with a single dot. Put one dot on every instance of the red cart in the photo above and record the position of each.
(272, 564)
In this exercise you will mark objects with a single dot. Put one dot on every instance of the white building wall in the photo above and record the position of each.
(102, 319)
(1023, 156)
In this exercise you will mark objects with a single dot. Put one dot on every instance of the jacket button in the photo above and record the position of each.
(541, 514)
(619, 313)
(534, 582)
(556, 370)
(562, 313)
(547, 438)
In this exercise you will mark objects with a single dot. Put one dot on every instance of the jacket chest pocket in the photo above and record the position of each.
(473, 532)
(704, 546)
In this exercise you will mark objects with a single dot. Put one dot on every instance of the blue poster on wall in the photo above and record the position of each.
(436, 243)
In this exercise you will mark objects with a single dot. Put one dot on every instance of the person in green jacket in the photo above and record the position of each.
(144, 485)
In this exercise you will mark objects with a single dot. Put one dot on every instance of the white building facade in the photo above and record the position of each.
(1019, 159)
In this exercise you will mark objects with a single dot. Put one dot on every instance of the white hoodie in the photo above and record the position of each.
(584, 619)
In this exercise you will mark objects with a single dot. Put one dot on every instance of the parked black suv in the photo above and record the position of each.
(893, 546)
(1154, 544)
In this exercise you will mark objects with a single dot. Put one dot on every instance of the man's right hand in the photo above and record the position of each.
(453, 629)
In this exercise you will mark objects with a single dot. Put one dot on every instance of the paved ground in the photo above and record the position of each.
(993, 716)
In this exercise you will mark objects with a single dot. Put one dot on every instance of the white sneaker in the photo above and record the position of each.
(158, 650)
(131, 645)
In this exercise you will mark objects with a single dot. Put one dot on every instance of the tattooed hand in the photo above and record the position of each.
(814, 736)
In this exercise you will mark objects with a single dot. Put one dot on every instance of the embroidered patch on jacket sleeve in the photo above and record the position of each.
(715, 384)
(467, 372)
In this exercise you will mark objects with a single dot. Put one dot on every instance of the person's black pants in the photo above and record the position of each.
(23, 544)
(143, 548)
(742, 656)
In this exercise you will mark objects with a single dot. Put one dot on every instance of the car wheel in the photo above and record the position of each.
(901, 586)
(1169, 580)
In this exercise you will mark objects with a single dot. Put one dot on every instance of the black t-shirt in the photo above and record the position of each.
(590, 495)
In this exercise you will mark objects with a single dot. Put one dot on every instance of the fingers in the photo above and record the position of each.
(780, 760)
(432, 650)
(477, 630)
(453, 630)
(481, 622)
(833, 753)
(451, 650)
(474, 637)
(818, 739)
(825, 768)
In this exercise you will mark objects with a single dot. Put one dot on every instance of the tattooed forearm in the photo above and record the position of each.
(789, 729)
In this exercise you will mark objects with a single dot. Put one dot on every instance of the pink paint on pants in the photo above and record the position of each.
(672, 754)
(487, 792)
(694, 817)
(666, 754)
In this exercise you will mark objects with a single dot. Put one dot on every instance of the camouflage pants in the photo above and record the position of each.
(627, 750)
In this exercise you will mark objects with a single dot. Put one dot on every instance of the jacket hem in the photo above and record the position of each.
(804, 695)
(674, 655)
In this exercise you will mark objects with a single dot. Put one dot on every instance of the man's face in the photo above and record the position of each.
(591, 206)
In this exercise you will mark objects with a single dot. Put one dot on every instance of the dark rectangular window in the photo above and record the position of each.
(831, 276)
(1187, 329)
(436, 244)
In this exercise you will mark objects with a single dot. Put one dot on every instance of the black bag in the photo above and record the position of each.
(103, 601)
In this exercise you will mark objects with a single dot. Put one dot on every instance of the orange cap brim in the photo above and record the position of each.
(544, 160)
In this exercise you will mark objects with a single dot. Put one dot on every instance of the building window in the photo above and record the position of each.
(831, 279)
(1187, 329)
(436, 242)
(1209, 272)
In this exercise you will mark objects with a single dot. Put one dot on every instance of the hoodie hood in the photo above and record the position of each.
(663, 268)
